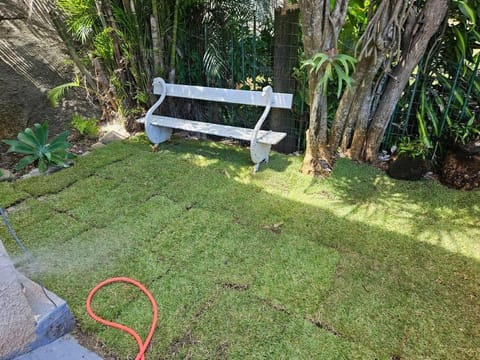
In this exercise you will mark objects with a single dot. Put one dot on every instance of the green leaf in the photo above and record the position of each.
(19, 147)
(48, 155)
(326, 78)
(28, 139)
(476, 35)
(29, 132)
(315, 62)
(54, 95)
(458, 93)
(60, 138)
(58, 160)
(27, 160)
(432, 116)
(346, 62)
(449, 120)
(476, 84)
(70, 156)
(467, 11)
(59, 143)
(41, 132)
(42, 165)
(470, 122)
(341, 77)
(422, 130)
(460, 41)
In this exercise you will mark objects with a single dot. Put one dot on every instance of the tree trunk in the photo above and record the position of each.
(428, 22)
(353, 113)
(285, 58)
(173, 49)
(158, 46)
(395, 39)
(321, 26)
(317, 159)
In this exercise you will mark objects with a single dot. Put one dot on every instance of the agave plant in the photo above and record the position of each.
(332, 64)
(33, 144)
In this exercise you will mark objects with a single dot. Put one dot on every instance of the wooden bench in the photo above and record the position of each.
(159, 128)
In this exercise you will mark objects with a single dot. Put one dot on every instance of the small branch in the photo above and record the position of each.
(7, 18)
(62, 32)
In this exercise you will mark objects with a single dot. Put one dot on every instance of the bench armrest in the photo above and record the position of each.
(259, 152)
(154, 107)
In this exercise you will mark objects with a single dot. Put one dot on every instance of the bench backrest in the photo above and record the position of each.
(246, 97)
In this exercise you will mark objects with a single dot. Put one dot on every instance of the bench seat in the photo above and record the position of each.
(227, 131)
(159, 128)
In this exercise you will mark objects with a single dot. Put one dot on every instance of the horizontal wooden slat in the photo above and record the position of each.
(265, 137)
(280, 100)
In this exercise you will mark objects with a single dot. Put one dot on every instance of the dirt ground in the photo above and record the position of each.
(33, 61)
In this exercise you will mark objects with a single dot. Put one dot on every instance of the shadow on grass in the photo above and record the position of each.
(433, 211)
(231, 157)
(241, 270)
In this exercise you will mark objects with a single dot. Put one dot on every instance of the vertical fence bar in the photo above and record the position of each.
(254, 48)
(412, 97)
(242, 46)
(205, 45)
(449, 102)
(452, 93)
(233, 61)
(470, 87)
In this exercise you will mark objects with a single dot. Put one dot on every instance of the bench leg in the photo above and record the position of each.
(259, 152)
(157, 134)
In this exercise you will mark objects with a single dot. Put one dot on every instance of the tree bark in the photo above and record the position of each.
(428, 22)
(285, 58)
(318, 159)
(396, 37)
(353, 113)
(158, 46)
(321, 26)
(173, 49)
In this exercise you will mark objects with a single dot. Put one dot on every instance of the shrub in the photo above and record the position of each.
(33, 144)
(85, 126)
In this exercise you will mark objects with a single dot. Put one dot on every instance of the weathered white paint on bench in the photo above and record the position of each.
(245, 97)
(264, 136)
(159, 128)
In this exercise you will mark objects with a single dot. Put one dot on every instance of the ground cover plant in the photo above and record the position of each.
(274, 265)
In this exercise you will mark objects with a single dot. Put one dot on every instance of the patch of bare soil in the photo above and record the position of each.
(90, 342)
(461, 170)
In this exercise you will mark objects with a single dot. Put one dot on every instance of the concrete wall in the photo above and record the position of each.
(17, 322)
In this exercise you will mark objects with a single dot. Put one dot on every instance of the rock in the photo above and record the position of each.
(97, 145)
(34, 61)
(32, 173)
(112, 136)
(50, 170)
(6, 175)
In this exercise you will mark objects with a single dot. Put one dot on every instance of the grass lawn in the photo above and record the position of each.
(275, 265)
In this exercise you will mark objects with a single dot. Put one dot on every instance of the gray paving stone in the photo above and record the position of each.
(65, 348)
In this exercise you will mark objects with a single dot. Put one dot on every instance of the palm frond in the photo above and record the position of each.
(55, 94)
(214, 62)
(81, 17)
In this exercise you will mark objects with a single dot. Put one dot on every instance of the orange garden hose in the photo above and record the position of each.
(142, 346)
